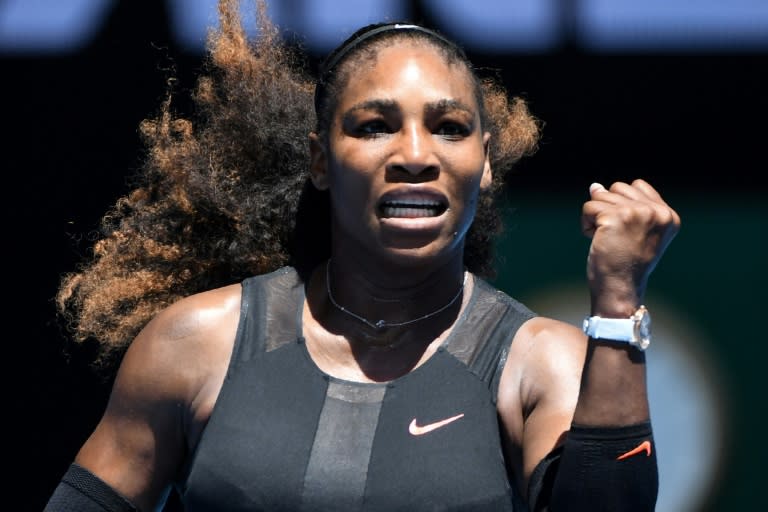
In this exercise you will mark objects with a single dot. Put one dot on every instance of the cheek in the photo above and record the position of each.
(350, 187)
(470, 174)
(468, 190)
(354, 166)
(361, 154)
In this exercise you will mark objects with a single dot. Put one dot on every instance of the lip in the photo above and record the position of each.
(413, 195)
(411, 204)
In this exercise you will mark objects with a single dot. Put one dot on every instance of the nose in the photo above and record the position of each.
(415, 152)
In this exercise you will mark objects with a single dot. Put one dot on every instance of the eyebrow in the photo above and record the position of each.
(436, 107)
(376, 105)
(447, 105)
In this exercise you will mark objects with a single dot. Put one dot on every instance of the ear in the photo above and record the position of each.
(487, 178)
(318, 162)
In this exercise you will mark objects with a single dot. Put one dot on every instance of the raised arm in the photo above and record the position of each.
(580, 420)
(631, 227)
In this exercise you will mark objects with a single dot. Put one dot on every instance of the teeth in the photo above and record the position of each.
(414, 202)
(409, 212)
(412, 208)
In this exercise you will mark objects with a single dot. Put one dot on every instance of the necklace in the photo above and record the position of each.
(381, 324)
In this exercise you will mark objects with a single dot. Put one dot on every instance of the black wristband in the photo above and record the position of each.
(81, 491)
(598, 469)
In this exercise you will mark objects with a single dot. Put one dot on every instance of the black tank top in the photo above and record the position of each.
(285, 436)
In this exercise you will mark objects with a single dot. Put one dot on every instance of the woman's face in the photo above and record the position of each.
(405, 157)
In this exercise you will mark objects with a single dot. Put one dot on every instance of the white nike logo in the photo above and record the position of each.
(417, 430)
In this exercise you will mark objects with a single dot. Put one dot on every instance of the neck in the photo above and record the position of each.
(381, 324)
(380, 310)
(346, 347)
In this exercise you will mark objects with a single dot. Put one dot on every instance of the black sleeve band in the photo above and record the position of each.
(542, 480)
(598, 469)
(82, 491)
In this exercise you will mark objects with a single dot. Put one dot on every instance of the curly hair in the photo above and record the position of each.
(224, 194)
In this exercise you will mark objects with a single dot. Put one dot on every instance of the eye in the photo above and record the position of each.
(372, 128)
(453, 130)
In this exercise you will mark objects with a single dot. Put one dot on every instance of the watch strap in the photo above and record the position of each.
(617, 329)
(635, 330)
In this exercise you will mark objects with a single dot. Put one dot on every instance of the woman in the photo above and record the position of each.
(366, 364)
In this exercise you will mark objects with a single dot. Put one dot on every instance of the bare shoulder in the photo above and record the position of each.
(193, 319)
(187, 340)
(546, 347)
(164, 390)
(546, 358)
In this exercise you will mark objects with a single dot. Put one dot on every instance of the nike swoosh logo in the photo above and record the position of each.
(417, 430)
(645, 446)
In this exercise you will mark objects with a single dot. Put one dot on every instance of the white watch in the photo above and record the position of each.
(635, 330)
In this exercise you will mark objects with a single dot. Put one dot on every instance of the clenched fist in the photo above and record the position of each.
(630, 226)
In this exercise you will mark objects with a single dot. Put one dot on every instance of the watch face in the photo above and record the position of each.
(643, 328)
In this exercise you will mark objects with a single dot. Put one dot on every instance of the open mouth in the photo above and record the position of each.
(412, 208)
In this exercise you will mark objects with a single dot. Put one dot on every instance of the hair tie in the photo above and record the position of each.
(337, 55)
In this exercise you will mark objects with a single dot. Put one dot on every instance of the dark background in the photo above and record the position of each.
(693, 124)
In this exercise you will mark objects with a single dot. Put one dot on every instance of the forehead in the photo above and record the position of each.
(405, 67)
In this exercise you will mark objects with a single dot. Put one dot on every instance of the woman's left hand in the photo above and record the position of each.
(630, 226)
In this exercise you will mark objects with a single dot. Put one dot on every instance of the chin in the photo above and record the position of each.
(425, 255)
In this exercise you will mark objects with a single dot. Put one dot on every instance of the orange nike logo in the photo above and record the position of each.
(417, 430)
(645, 446)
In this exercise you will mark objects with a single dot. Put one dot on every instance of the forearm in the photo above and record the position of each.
(613, 386)
(608, 461)
(613, 389)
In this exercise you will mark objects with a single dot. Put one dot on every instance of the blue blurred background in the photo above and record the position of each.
(674, 91)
